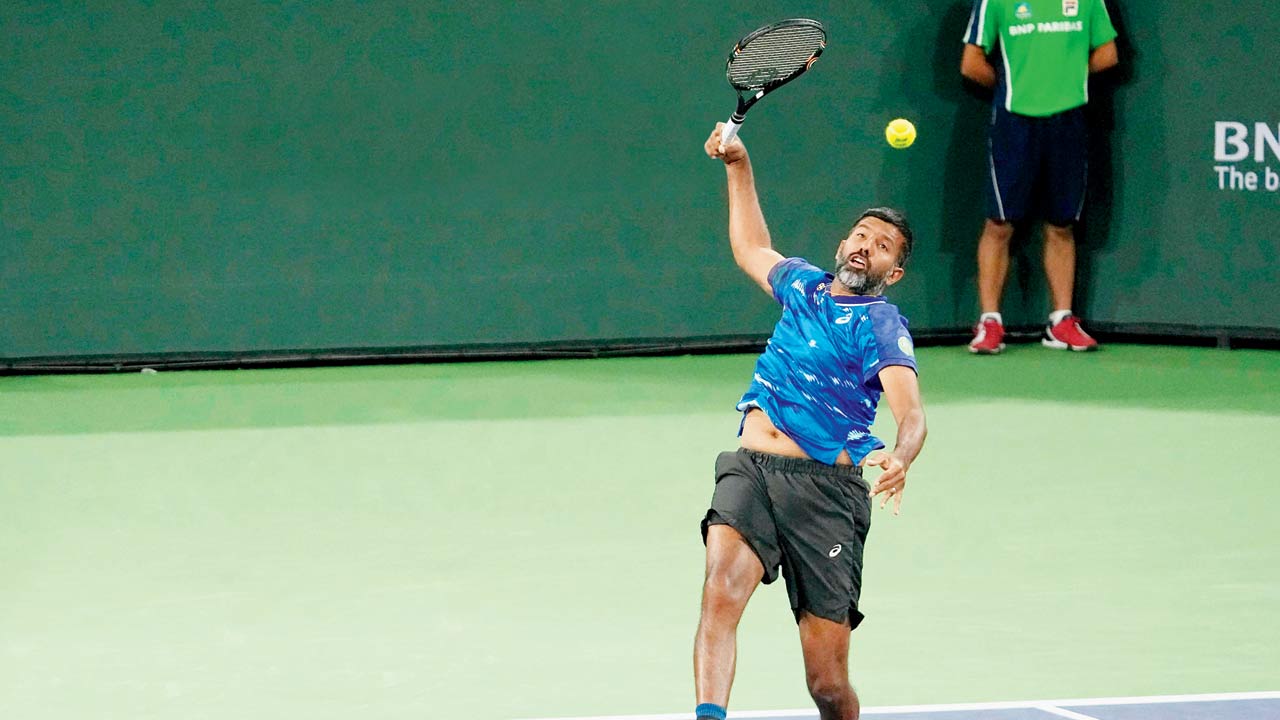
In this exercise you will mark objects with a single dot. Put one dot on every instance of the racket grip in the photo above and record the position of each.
(730, 130)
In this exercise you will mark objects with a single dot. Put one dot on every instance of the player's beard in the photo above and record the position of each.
(860, 282)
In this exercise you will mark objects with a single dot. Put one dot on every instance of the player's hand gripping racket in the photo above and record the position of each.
(767, 59)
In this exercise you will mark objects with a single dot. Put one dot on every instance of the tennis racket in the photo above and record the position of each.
(767, 59)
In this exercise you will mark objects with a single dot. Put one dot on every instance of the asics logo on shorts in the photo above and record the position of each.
(834, 551)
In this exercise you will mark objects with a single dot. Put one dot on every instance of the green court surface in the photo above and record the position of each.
(501, 540)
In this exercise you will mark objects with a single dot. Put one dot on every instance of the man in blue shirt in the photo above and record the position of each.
(792, 497)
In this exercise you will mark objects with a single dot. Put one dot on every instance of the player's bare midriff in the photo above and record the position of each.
(760, 434)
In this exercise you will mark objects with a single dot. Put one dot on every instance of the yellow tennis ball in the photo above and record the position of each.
(900, 133)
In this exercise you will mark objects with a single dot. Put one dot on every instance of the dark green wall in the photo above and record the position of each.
(241, 176)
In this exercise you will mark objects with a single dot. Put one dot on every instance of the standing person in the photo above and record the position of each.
(1038, 144)
(792, 496)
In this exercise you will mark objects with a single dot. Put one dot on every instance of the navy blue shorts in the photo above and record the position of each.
(1038, 166)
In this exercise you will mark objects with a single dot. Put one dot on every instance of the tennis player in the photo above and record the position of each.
(792, 497)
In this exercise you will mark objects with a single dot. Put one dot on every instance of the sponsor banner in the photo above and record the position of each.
(1246, 156)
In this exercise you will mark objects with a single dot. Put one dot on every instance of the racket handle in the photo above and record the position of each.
(730, 130)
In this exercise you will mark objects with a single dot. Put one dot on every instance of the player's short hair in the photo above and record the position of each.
(898, 220)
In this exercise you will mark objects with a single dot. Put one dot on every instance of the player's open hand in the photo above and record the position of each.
(892, 482)
(734, 152)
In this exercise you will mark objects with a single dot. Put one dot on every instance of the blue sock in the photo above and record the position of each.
(710, 711)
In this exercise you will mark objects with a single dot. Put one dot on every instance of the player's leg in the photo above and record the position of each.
(824, 515)
(825, 644)
(742, 552)
(732, 575)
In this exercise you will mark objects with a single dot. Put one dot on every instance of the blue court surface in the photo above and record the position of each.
(1221, 706)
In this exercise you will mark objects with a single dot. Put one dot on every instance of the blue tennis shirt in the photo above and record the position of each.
(818, 378)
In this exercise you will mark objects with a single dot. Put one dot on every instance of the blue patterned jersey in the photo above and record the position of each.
(818, 379)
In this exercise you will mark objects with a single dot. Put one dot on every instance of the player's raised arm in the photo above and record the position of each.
(748, 234)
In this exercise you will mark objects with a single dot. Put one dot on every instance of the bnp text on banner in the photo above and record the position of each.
(1246, 156)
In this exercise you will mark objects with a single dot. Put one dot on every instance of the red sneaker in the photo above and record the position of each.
(1068, 335)
(988, 338)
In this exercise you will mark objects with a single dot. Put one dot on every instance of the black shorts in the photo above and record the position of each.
(1037, 165)
(809, 518)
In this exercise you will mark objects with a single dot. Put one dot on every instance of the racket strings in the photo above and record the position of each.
(774, 56)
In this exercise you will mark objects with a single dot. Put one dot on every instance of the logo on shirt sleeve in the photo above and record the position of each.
(904, 344)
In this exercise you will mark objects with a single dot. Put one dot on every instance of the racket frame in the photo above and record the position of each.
(745, 102)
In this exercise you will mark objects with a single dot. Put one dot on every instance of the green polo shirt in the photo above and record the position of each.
(1045, 45)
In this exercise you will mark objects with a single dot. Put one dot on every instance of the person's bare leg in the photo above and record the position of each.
(733, 574)
(993, 263)
(1060, 264)
(826, 667)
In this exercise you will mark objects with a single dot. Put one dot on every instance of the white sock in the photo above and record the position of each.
(990, 316)
(1056, 316)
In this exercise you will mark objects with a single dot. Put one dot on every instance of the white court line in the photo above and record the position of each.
(1062, 712)
(1008, 705)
